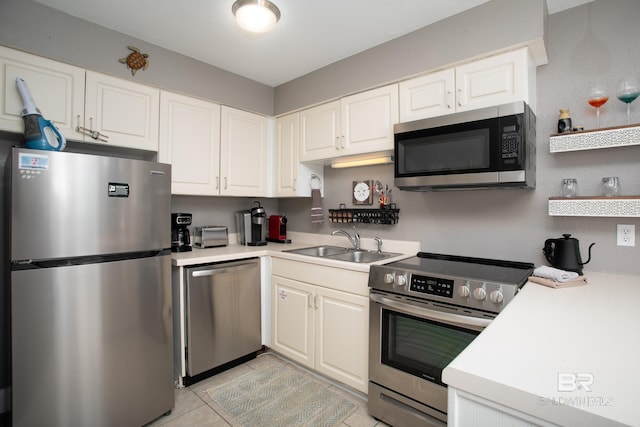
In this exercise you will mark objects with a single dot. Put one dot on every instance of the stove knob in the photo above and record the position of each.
(479, 294)
(496, 296)
(401, 280)
(464, 291)
(389, 278)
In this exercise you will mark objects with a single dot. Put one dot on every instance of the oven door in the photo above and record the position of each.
(411, 343)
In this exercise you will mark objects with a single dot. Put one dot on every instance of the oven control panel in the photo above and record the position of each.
(431, 285)
(465, 292)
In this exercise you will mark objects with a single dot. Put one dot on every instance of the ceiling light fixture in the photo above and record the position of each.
(256, 16)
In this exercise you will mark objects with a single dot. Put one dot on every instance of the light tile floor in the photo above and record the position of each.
(192, 403)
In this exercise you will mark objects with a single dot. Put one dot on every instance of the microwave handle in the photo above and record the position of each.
(431, 314)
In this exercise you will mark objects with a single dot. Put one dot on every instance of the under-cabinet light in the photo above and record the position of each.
(354, 162)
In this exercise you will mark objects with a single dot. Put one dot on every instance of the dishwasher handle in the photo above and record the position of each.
(212, 271)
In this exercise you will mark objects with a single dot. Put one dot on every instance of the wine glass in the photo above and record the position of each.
(597, 98)
(627, 92)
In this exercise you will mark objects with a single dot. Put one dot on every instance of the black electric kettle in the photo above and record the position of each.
(564, 253)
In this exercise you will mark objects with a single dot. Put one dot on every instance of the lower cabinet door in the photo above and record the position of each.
(293, 320)
(342, 337)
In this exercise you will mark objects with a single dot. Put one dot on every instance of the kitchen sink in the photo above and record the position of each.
(343, 254)
(319, 251)
(353, 255)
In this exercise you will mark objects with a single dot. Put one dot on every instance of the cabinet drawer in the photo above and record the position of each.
(355, 282)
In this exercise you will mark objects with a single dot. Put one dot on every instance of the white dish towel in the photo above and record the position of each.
(556, 274)
(317, 215)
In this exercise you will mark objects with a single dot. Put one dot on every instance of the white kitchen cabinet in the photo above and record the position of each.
(57, 89)
(356, 124)
(292, 178)
(468, 410)
(318, 325)
(495, 80)
(293, 324)
(320, 132)
(190, 142)
(368, 119)
(342, 337)
(124, 111)
(243, 153)
(428, 96)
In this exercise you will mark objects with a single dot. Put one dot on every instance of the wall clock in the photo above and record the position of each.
(363, 192)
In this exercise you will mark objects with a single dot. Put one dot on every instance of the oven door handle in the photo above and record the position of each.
(432, 314)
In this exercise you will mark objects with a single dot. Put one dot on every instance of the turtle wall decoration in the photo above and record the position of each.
(136, 60)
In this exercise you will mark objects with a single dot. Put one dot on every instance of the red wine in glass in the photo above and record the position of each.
(597, 98)
(598, 102)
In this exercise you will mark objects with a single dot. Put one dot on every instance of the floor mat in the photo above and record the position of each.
(280, 396)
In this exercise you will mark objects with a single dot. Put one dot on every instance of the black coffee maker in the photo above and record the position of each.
(180, 240)
(252, 226)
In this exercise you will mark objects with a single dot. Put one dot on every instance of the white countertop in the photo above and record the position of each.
(299, 240)
(584, 333)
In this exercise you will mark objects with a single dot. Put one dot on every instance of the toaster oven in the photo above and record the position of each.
(210, 236)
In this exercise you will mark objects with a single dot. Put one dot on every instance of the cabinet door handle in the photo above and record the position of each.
(295, 183)
(315, 302)
(310, 299)
(225, 182)
(337, 144)
(217, 182)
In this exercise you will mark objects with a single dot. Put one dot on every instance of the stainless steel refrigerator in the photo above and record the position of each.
(90, 290)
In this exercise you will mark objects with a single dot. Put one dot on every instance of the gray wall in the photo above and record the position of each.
(591, 43)
(460, 37)
(32, 27)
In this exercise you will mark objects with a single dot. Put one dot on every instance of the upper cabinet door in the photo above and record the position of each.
(124, 111)
(287, 155)
(428, 96)
(57, 89)
(495, 80)
(320, 132)
(190, 142)
(243, 153)
(368, 119)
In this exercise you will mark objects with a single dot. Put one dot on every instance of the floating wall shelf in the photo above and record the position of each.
(621, 206)
(619, 136)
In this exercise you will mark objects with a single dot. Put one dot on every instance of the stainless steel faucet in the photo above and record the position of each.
(355, 240)
(379, 241)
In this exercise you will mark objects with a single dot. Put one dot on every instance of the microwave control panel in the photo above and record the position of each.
(511, 155)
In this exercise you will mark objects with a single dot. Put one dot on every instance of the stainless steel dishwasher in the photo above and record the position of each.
(223, 313)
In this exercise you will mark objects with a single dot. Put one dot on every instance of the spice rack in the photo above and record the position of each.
(387, 215)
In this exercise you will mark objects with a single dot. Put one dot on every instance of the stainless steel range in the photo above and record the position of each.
(423, 312)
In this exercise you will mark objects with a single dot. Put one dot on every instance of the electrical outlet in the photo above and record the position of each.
(626, 235)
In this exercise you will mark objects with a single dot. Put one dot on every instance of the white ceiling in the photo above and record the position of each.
(311, 33)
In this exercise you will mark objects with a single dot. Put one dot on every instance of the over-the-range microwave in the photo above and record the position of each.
(492, 147)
